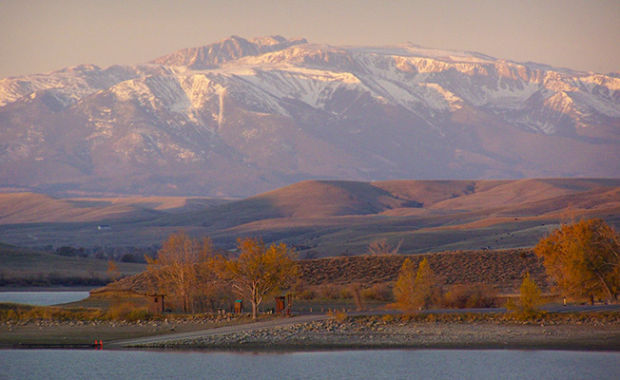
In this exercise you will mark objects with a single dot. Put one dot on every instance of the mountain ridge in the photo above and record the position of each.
(232, 48)
(240, 117)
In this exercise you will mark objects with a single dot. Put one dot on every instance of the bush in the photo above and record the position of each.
(31, 313)
(339, 316)
(141, 314)
(11, 315)
(345, 293)
(329, 292)
(128, 312)
(38, 313)
(306, 294)
(472, 296)
(529, 300)
(120, 311)
(378, 292)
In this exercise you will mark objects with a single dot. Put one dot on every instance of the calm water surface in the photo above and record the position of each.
(366, 364)
(43, 298)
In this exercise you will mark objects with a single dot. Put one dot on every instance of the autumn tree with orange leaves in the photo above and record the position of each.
(183, 269)
(259, 270)
(415, 290)
(530, 299)
(583, 259)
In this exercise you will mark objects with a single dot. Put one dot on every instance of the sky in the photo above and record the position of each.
(44, 35)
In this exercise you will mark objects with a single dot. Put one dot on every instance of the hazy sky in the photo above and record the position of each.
(45, 35)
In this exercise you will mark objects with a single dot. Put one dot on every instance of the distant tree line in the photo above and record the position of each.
(126, 254)
(52, 279)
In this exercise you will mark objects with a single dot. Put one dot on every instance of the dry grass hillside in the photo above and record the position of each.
(502, 270)
(326, 218)
(319, 199)
(335, 217)
(36, 208)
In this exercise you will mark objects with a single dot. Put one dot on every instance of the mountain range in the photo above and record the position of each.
(240, 117)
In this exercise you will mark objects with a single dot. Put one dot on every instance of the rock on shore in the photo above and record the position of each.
(371, 332)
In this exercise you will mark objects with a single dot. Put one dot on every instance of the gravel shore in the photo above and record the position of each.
(370, 332)
(593, 331)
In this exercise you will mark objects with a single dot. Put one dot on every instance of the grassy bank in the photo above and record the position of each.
(23, 267)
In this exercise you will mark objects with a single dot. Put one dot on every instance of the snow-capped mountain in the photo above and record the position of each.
(242, 116)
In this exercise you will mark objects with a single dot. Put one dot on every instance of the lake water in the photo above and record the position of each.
(43, 298)
(363, 364)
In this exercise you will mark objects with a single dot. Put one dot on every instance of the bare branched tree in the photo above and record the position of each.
(382, 247)
(182, 268)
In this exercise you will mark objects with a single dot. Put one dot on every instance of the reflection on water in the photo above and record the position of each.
(363, 364)
(42, 298)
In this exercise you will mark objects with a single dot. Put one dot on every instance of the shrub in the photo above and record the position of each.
(329, 292)
(29, 313)
(529, 300)
(464, 296)
(306, 294)
(11, 315)
(339, 316)
(141, 314)
(345, 293)
(378, 292)
(42, 313)
(120, 311)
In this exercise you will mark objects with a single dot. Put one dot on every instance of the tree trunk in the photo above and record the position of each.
(611, 295)
(254, 302)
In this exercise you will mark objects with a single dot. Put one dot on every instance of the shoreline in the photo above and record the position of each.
(319, 334)
(375, 333)
(18, 289)
(326, 347)
(362, 347)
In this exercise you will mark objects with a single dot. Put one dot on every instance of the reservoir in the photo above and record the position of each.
(43, 298)
(361, 364)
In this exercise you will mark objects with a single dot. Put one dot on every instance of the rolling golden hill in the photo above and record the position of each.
(326, 218)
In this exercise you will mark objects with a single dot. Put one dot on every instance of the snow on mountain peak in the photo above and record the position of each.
(258, 112)
(227, 50)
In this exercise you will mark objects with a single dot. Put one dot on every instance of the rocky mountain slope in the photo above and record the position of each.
(239, 117)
